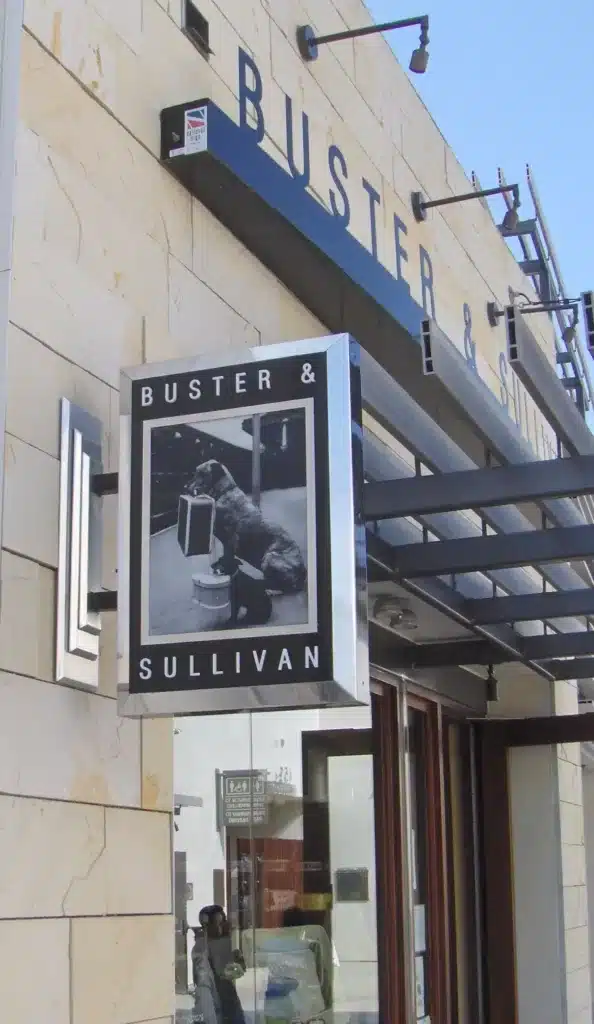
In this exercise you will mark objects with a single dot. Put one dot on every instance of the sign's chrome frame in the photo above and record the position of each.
(350, 683)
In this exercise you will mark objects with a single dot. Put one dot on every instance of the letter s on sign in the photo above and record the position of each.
(335, 157)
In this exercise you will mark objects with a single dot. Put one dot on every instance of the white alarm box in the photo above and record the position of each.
(195, 523)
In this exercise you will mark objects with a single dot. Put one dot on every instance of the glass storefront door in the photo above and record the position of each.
(276, 868)
(442, 850)
(287, 824)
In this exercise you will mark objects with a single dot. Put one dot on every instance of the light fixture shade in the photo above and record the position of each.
(390, 611)
(419, 60)
(510, 221)
(306, 42)
(408, 619)
(569, 334)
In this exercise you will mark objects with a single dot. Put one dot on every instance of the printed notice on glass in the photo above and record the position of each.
(420, 928)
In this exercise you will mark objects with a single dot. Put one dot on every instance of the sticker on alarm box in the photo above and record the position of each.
(195, 130)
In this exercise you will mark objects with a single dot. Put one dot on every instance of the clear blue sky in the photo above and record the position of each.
(511, 83)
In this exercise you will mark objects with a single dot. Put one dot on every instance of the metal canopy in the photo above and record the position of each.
(544, 647)
(454, 653)
(533, 481)
(559, 645)
(558, 669)
(497, 432)
(460, 684)
(382, 464)
(543, 385)
(541, 731)
(389, 403)
(496, 552)
(572, 668)
(439, 595)
(531, 607)
(412, 376)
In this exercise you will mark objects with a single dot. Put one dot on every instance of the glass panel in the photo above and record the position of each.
(209, 872)
(418, 857)
(275, 844)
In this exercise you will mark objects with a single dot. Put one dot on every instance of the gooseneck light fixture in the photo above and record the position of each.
(492, 686)
(420, 205)
(308, 42)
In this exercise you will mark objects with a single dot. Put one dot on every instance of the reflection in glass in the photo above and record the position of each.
(275, 869)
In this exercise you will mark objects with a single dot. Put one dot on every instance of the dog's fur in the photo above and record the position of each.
(248, 595)
(246, 534)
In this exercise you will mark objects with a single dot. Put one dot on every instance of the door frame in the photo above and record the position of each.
(391, 696)
(495, 738)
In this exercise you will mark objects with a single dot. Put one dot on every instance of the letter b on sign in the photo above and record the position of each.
(250, 95)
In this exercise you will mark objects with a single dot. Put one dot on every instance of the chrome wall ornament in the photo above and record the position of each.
(78, 625)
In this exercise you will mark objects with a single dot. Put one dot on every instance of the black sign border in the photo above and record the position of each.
(288, 370)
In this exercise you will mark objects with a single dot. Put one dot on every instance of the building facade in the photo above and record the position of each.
(369, 869)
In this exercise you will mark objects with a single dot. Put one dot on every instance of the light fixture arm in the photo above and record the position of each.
(494, 312)
(308, 42)
(552, 306)
(420, 205)
(370, 30)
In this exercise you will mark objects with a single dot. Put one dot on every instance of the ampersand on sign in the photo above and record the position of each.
(469, 344)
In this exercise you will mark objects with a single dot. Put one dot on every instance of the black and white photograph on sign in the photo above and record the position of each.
(229, 529)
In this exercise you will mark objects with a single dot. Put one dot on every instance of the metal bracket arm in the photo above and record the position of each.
(103, 600)
(104, 483)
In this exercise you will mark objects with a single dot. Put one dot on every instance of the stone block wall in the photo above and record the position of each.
(113, 263)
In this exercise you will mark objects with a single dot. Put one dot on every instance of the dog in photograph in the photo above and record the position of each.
(250, 602)
(246, 534)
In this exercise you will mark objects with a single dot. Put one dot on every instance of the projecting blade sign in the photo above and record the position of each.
(242, 577)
